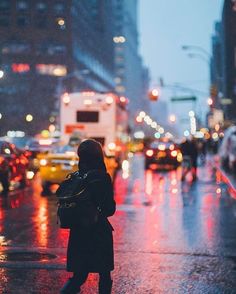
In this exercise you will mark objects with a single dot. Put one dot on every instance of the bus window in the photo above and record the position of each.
(87, 116)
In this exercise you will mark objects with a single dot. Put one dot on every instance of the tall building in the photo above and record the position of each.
(47, 46)
(131, 77)
(216, 63)
(229, 58)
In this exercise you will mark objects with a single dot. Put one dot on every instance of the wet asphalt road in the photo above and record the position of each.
(170, 237)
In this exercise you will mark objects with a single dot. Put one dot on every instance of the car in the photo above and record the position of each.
(227, 150)
(13, 166)
(55, 165)
(162, 155)
(34, 147)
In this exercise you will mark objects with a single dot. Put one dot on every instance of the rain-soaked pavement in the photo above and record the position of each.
(170, 237)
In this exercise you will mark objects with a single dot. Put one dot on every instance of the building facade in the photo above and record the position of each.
(216, 64)
(131, 77)
(48, 46)
(229, 59)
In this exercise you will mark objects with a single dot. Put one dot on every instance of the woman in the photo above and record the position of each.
(91, 250)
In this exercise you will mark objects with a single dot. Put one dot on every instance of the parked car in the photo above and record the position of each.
(13, 165)
(162, 155)
(227, 150)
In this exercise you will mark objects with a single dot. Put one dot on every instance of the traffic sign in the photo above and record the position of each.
(183, 99)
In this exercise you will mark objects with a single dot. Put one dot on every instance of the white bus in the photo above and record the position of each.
(103, 117)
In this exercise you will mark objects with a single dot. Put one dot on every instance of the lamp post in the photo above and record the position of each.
(199, 52)
(197, 48)
(200, 56)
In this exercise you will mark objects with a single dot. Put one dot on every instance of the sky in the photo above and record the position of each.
(164, 27)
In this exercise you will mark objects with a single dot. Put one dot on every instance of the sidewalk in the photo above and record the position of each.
(224, 176)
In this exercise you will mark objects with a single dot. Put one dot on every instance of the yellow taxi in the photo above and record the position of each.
(62, 160)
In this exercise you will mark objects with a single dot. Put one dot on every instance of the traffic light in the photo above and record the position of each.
(153, 95)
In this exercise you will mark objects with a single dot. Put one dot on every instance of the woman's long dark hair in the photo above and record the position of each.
(91, 156)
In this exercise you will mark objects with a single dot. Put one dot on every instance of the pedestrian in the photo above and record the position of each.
(90, 250)
(190, 155)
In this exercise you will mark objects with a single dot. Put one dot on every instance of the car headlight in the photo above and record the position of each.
(43, 162)
(72, 162)
(149, 153)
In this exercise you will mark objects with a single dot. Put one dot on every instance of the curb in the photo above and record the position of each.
(228, 182)
(224, 177)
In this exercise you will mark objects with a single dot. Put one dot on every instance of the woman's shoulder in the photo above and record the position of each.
(97, 176)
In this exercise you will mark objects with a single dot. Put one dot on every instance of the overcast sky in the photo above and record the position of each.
(167, 25)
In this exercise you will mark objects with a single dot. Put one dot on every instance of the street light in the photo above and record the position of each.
(200, 56)
(196, 48)
(201, 53)
(1, 74)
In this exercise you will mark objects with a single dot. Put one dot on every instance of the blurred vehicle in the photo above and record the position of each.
(136, 145)
(13, 165)
(34, 147)
(101, 116)
(111, 165)
(162, 155)
(227, 150)
(55, 165)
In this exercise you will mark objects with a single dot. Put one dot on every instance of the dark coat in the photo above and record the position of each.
(91, 249)
(189, 148)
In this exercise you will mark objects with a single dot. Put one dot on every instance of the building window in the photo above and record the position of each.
(119, 49)
(14, 47)
(5, 6)
(235, 57)
(120, 89)
(22, 21)
(22, 5)
(56, 49)
(41, 7)
(118, 80)
(4, 20)
(50, 48)
(41, 22)
(119, 59)
(59, 8)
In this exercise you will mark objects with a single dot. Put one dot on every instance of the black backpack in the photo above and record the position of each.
(76, 208)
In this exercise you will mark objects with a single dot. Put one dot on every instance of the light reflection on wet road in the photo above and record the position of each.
(170, 237)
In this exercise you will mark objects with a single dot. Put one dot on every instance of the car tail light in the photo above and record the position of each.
(174, 153)
(149, 152)
(1, 159)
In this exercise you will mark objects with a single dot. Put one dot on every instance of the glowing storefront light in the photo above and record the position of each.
(51, 69)
(20, 67)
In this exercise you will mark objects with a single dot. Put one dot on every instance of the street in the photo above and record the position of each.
(170, 237)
